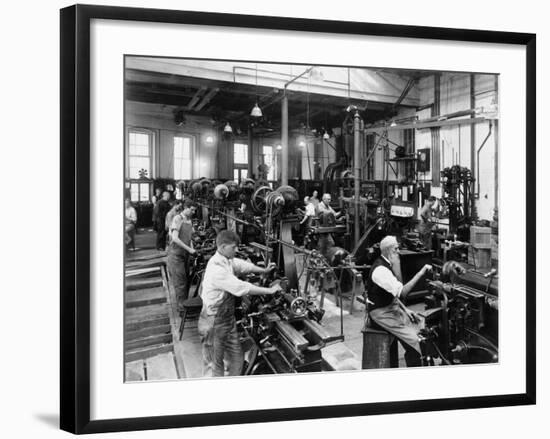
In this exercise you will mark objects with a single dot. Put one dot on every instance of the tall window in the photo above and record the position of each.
(240, 161)
(240, 154)
(140, 146)
(183, 164)
(269, 160)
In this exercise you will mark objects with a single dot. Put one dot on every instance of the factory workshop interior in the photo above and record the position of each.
(284, 218)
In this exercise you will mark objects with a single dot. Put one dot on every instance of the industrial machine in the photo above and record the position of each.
(458, 200)
(461, 325)
(283, 333)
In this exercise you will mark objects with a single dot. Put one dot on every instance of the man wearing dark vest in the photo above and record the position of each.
(385, 294)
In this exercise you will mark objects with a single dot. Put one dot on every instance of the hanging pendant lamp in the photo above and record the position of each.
(256, 110)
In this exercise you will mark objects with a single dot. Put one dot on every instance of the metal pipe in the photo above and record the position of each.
(472, 127)
(357, 171)
(295, 247)
(460, 113)
(250, 167)
(309, 69)
(389, 141)
(478, 151)
(308, 162)
(284, 140)
(496, 145)
(423, 125)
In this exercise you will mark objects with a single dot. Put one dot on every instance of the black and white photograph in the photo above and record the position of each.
(274, 219)
(284, 218)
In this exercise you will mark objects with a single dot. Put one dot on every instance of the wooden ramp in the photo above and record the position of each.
(149, 329)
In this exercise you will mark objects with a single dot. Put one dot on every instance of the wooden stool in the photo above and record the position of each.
(191, 308)
(379, 347)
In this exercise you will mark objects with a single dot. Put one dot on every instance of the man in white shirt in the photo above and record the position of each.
(220, 286)
(130, 220)
(324, 206)
(314, 199)
(386, 292)
(309, 211)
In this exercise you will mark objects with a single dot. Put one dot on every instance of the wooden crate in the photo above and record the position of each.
(479, 257)
(480, 237)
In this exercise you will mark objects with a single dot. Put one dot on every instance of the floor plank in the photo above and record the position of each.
(146, 323)
(189, 350)
(134, 371)
(146, 312)
(142, 284)
(147, 352)
(155, 339)
(147, 332)
(149, 296)
(143, 272)
(161, 367)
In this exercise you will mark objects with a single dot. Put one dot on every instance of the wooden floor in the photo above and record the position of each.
(149, 326)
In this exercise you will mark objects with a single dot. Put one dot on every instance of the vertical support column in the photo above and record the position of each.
(473, 163)
(496, 144)
(284, 140)
(356, 172)
(436, 142)
(250, 150)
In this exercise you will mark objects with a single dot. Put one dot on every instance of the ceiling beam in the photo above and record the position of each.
(206, 99)
(155, 89)
(196, 97)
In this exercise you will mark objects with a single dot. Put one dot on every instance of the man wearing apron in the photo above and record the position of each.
(426, 222)
(386, 309)
(217, 326)
(181, 246)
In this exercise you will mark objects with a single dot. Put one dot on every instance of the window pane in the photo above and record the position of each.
(134, 192)
(139, 150)
(240, 154)
(182, 147)
(141, 139)
(178, 147)
(182, 158)
(236, 175)
(139, 154)
(187, 147)
(182, 168)
(144, 192)
(244, 173)
(138, 163)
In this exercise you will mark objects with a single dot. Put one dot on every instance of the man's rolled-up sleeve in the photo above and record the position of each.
(384, 278)
(223, 280)
(240, 266)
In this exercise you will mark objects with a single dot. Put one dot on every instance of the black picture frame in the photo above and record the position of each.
(75, 217)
